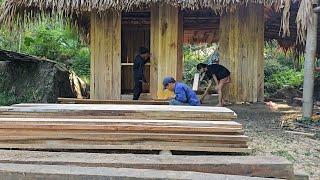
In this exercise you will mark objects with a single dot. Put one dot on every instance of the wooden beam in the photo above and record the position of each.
(97, 101)
(255, 166)
(39, 171)
(121, 111)
(241, 47)
(105, 29)
(166, 47)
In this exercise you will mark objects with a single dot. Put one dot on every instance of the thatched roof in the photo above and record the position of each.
(22, 11)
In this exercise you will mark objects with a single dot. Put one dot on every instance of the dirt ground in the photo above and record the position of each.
(263, 126)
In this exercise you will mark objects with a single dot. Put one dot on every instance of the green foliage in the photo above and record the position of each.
(7, 98)
(52, 40)
(280, 69)
(193, 55)
(284, 78)
(81, 64)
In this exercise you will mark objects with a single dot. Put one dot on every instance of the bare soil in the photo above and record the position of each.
(267, 136)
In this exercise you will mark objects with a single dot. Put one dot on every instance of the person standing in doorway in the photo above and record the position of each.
(138, 71)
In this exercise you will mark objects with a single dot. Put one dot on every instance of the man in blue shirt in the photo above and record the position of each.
(183, 93)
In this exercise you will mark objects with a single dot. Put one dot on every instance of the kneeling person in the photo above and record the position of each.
(183, 93)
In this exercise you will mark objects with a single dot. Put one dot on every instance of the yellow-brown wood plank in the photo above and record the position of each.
(241, 49)
(166, 46)
(23, 134)
(253, 166)
(128, 147)
(121, 111)
(124, 122)
(97, 101)
(105, 55)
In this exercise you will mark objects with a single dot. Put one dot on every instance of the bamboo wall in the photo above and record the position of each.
(241, 46)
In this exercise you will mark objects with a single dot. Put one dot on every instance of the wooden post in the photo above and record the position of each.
(105, 55)
(241, 47)
(166, 47)
(310, 56)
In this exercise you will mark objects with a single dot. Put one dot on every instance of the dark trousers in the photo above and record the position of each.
(137, 90)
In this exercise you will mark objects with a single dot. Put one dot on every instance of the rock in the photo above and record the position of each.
(38, 80)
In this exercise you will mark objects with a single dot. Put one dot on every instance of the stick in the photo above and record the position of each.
(196, 82)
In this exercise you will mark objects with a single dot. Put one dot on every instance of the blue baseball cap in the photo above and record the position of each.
(167, 80)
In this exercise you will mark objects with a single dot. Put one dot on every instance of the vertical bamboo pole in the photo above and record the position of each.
(310, 56)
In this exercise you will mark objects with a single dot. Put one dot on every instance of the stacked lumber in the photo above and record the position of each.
(66, 164)
(129, 127)
(97, 101)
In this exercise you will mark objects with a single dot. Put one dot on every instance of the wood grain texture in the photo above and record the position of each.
(105, 46)
(166, 47)
(256, 166)
(121, 127)
(53, 172)
(97, 101)
(121, 111)
(241, 48)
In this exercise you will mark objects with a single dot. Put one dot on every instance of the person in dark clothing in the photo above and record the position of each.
(138, 71)
(219, 74)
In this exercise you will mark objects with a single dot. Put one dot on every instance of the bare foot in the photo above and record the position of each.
(218, 105)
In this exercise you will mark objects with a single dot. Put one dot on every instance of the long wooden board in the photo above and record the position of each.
(257, 166)
(125, 128)
(101, 136)
(187, 123)
(53, 172)
(96, 101)
(123, 111)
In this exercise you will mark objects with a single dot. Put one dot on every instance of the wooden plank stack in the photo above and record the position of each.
(97, 101)
(129, 127)
(70, 165)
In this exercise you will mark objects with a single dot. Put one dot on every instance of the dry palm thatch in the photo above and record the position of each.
(19, 12)
(304, 18)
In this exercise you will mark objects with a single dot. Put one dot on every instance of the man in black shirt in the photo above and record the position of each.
(219, 74)
(138, 71)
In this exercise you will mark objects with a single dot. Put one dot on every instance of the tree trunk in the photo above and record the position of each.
(310, 57)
